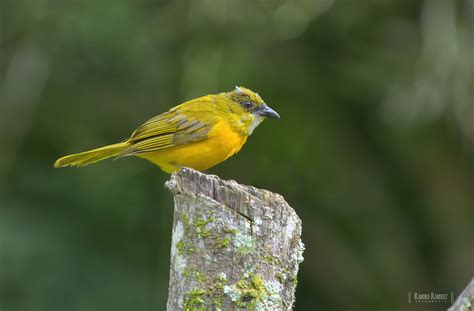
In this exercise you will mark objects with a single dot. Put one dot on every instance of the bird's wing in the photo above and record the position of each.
(183, 124)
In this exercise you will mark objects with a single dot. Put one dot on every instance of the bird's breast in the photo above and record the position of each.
(225, 140)
(222, 142)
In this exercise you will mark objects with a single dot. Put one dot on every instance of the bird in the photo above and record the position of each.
(198, 134)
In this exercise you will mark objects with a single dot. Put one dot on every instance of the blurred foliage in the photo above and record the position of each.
(375, 147)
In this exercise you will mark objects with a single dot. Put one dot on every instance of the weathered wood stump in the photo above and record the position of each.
(233, 246)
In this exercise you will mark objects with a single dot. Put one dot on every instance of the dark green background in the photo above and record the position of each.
(374, 148)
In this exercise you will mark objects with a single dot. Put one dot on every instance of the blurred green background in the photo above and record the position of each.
(374, 150)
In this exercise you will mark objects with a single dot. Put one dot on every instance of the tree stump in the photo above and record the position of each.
(233, 246)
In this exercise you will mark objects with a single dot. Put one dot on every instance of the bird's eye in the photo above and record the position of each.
(247, 105)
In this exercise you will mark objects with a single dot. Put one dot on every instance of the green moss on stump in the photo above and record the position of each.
(193, 300)
(194, 274)
(232, 231)
(271, 260)
(185, 249)
(222, 243)
(248, 292)
(209, 295)
(200, 227)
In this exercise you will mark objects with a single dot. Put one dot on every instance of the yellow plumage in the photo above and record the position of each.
(199, 133)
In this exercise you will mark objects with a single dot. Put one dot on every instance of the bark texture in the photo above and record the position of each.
(233, 246)
(465, 301)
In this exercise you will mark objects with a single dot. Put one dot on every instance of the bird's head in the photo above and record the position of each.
(251, 107)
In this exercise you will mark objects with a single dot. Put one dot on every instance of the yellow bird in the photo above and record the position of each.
(199, 133)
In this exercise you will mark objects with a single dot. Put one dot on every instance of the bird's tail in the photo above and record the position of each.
(91, 156)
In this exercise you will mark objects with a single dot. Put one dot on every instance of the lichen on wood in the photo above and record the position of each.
(233, 246)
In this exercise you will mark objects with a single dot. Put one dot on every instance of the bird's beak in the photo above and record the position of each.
(266, 111)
